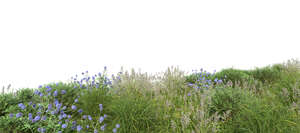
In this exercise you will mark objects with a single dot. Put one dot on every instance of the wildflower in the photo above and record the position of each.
(101, 119)
(104, 115)
(60, 117)
(30, 116)
(84, 116)
(55, 93)
(44, 118)
(76, 100)
(19, 115)
(100, 107)
(89, 117)
(49, 106)
(103, 127)
(22, 106)
(74, 107)
(48, 89)
(79, 128)
(73, 123)
(41, 94)
(36, 118)
(40, 86)
(11, 115)
(59, 122)
(30, 103)
(59, 132)
(63, 92)
(64, 108)
(87, 126)
(80, 111)
(95, 131)
(64, 126)
(69, 116)
(117, 125)
(36, 92)
(64, 115)
(41, 130)
(114, 130)
(38, 113)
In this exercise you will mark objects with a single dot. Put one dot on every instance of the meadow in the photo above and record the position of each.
(262, 100)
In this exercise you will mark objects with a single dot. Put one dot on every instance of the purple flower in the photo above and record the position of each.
(80, 111)
(48, 89)
(64, 108)
(60, 117)
(101, 119)
(41, 94)
(36, 118)
(84, 116)
(117, 125)
(59, 122)
(103, 127)
(76, 100)
(40, 86)
(64, 115)
(30, 116)
(41, 130)
(89, 117)
(19, 115)
(11, 115)
(100, 107)
(64, 126)
(114, 130)
(87, 126)
(36, 92)
(22, 106)
(55, 93)
(95, 131)
(59, 132)
(74, 107)
(44, 118)
(49, 106)
(79, 128)
(63, 92)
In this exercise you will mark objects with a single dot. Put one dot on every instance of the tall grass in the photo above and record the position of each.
(263, 100)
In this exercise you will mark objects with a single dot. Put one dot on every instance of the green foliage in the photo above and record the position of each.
(137, 114)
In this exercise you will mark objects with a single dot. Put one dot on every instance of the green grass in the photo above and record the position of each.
(262, 100)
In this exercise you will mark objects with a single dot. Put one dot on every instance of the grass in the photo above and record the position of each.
(263, 100)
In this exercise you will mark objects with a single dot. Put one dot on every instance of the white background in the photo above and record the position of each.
(49, 41)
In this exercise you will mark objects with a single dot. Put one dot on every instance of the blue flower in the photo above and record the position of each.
(64, 126)
(101, 119)
(36, 92)
(48, 89)
(41, 130)
(64, 115)
(87, 126)
(64, 108)
(95, 131)
(60, 117)
(59, 132)
(40, 86)
(74, 107)
(41, 94)
(55, 93)
(44, 118)
(114, 130)
(80, 111)
(11, 115)
(19, 115)
(117, 125)
(76, 100)
(103, 127)
(36, 118)
(100, 107)
(49, 106)
(89, 117)
(22, 106)
(79, 128)
(84, 116)
(63, 92)
(30, 116)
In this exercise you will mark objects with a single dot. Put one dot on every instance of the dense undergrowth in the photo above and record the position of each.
(263, 100)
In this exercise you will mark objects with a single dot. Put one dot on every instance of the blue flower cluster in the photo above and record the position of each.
(58, 111)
